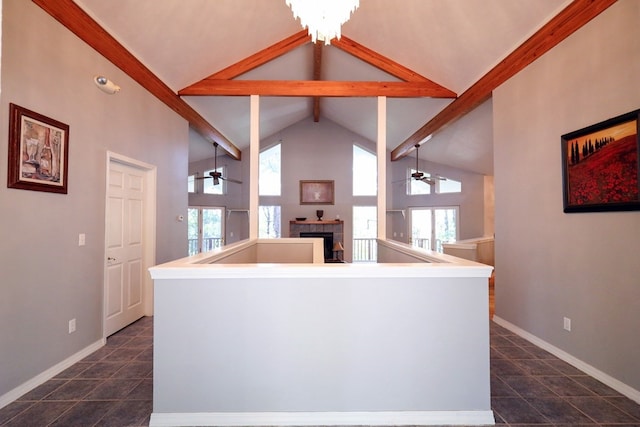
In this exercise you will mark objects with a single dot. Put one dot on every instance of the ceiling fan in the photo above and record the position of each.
(419, 176)
(217, 176)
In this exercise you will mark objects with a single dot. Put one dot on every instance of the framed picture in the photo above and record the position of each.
(600, 166)
(316, 192)
(38, 152)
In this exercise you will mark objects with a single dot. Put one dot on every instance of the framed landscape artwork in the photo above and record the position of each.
(600, 166)
(316, 192)
(38, 152)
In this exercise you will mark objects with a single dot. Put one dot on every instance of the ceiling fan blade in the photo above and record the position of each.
(401, 180)
(428, 180)
(232, 180)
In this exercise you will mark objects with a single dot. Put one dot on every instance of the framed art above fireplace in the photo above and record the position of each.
(317, 192)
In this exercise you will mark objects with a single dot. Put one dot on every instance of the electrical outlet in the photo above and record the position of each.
(81, 239)
(72, 326)
(567, 324)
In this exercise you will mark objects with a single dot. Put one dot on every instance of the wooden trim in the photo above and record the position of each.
(82, 25)
(569, 20)
(313, 88)
(316, 222)
(317, 75)
(262, 57)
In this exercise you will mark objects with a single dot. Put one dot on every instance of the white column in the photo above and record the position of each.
(254, 166)
(382, 167)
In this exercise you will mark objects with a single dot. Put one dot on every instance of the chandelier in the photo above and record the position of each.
(323, 18)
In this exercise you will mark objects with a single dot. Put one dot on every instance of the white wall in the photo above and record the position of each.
(45, 278)
(356, 344)
(550, 264)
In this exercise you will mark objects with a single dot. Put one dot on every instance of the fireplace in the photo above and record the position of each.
(328, 241)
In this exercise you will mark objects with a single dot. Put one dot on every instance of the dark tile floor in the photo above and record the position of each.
(113, 387)
(531, 386)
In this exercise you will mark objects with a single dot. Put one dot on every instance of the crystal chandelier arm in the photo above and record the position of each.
(323, 19)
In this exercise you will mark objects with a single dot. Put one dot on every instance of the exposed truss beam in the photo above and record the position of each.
(82, 25)
(569, 20)
(313, 88)
(382, 62)
(317, 75)
(221, 83)
(262, 57)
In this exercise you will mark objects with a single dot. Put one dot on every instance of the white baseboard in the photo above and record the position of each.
(34, 382)
(322, 418)
(615, 384)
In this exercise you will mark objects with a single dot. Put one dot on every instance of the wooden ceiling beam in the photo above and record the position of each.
(317, 75)
(87, 29)
(262, 57)
(313, 88)
(382, 62)
(569, 20)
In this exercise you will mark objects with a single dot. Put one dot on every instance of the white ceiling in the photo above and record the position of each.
(452, 42)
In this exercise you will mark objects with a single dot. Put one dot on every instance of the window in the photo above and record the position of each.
(191, 184)
(417, 187)
(205, 228)
(269, 223)
(270, 170)
(449, 186)
(210, 187)
(365, 172)
(365, 231)
(431, 227)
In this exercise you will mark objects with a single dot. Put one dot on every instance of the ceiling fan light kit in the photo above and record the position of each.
(217, 176)
(420, 176)
(323, 18)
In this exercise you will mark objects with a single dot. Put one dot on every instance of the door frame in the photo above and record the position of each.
(149, 229)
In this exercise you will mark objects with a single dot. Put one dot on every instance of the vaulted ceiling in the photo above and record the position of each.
(450, 53)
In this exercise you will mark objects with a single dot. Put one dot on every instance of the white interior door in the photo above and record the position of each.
(125, 246)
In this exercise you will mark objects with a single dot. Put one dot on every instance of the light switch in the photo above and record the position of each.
(81, 239)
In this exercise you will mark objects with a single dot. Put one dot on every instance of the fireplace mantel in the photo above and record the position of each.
(330, 222)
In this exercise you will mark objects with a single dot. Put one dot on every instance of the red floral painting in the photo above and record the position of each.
(601, 166)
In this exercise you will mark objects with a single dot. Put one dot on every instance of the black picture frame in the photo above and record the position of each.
(600, 166)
